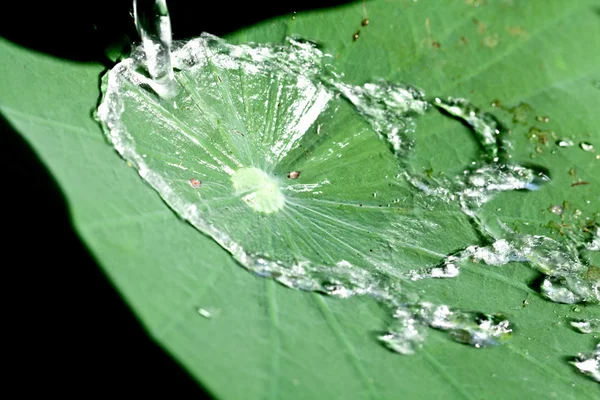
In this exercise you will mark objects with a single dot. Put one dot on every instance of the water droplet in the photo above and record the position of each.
(587, 325)
(205, 313)
(564, 143)
(556, 209)
(356, 36)
(542, 119)
(365, 22)
(586, 146)
(293, 175)
(589, 364)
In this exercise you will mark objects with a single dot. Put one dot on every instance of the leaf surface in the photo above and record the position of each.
(267, 341)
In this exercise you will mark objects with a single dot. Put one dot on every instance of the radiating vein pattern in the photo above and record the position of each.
(294, 172)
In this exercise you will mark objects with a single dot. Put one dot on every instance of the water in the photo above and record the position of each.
(564, 143)
(306, 179)
(588, 325)
(566, 276)
(588, 363)
(486, 128)
(586, 146)
(266, 138)
(154, 27)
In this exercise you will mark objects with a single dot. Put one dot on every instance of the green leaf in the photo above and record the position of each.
(267, 341)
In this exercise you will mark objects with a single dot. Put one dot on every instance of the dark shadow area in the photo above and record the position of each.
(68, 330)
(83, 33)
(536, 283)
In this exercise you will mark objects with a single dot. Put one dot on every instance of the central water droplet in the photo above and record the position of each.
(260, 191)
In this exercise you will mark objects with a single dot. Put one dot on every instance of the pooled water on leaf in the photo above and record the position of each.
(588, 363)
(587, 325)
(586, 146)
(244, 119)
(304, 178)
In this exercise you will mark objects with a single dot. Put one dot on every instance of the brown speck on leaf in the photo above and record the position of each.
(293, 175)
(365, 22)
(355, 36)
(195, 183)
(464, 40)
(436, 44)
(572, 172)
(516, 31)
(495, 103)
(360, 205)
(480, 26)
(219, 79)
(579, 183)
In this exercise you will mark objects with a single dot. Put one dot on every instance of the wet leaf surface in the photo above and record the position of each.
(274, 342)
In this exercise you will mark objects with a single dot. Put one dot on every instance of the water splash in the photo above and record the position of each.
(154, 27)
(245, 119)
(346, 222)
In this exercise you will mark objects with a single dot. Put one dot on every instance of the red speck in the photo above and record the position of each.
(293, 174)
(195, 183)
